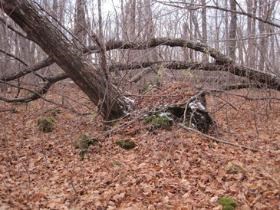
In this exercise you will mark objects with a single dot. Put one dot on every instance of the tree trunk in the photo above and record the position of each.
(251, 32)
(232, 31)
(149, 30)
(263, 40)
(204, 27)
(80, 25)
(226, 36)
(265, 11)
(69, 57)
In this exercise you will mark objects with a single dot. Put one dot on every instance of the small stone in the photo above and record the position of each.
(214, 199)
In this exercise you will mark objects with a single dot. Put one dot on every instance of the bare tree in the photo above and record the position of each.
(232, 31)
(68, 56)
(265, 11)
(149, 29)
(204, 26)
(251, 31)
(80, 26)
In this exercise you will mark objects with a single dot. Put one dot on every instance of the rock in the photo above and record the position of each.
(214, 199)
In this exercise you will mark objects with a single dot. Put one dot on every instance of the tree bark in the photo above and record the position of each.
(262, 79)
(80, 25)
(232, 31)
(204, 27)
(149, 30)
(69, 57)
(251, 28)
(177, 42)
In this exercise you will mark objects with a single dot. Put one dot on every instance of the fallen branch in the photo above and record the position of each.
(36, 67)
(269, 80)
(247, 97)
(223, 63)
(13, 56)
(156, 95)
(141, 45)
(35, 94)
(216, 139)
(8, 110)
(240, 86)
(9, 26)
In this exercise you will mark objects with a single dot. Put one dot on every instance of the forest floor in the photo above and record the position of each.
(168, 169)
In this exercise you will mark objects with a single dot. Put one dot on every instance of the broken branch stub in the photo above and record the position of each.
(196, 114)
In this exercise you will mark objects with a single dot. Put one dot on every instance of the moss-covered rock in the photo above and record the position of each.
(161, 120)
(227, 203)
(83, 143)
(46, 124)
(126, 144)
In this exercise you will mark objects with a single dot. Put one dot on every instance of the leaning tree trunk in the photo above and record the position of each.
(68, 56)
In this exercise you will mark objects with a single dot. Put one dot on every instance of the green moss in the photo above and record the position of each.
(126, 144)
(227, 203)
(83, 144)
(46, 124)
(157, 121)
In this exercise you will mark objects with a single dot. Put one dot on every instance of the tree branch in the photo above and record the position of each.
(223, 63)
(3, 21)
(141, 45)
(269, 80)
(218, 140)
(36, 67)
(192, 6)
(35, 94)
(13, 56)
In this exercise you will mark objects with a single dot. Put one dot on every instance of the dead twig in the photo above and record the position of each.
(157, 96)
(217, 140)
(8, 110)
